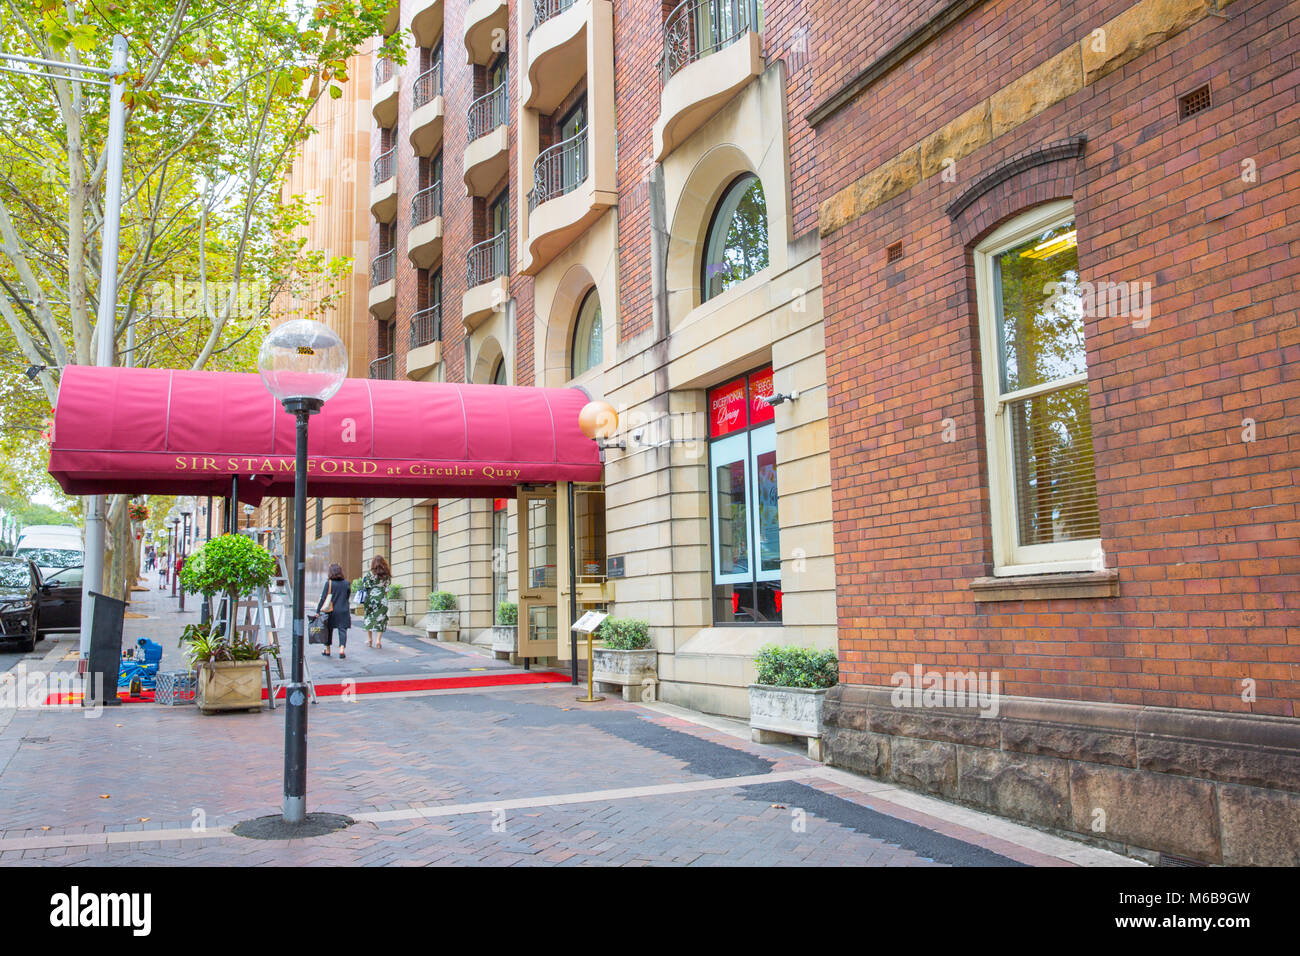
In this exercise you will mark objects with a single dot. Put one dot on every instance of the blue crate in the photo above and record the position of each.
(175, 688)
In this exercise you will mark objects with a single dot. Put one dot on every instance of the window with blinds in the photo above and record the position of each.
(1038, 421)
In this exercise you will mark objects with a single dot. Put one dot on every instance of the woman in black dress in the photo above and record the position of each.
(335, 596)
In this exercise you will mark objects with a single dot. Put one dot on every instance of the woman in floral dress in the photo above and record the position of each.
(375, 584)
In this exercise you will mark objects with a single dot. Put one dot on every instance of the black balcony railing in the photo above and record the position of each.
(487, 112)
(385, 166)
(383, 71)
(426, 326)
(426, 204)
(485, 261)
(382, 367)
(381, 267)
(428, 85)
(697, 28)
(559, 169)
(543, 10)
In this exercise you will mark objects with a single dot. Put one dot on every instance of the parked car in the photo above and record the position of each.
(18, 603)
(58, 600)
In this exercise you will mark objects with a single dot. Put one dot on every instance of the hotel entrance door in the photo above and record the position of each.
(538, 552)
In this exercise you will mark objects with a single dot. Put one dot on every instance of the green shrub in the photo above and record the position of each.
(394, 592)
(232, 564)
(792, 666)
(507, 613)
(624, 633)
(442, 601)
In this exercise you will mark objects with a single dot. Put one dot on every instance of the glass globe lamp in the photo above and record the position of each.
(303, 360)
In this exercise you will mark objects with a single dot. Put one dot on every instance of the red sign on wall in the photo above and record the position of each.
(727, 411)
(760, 387)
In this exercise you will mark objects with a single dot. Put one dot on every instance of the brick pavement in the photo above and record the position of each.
(519, 776)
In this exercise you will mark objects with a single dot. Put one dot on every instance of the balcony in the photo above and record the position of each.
(488, 154)
(383, 288)
(383, 186)
(426, 20)
(392, 18)
(426, 342)
(557, 51)
(482, 17)
(383, 102)
(424, 240)
(383, 367)
(711, 48)
(427, 110)
(487, 266)
(564, 200)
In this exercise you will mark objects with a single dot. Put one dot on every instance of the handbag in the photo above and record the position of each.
(327, 606)
(316, 629)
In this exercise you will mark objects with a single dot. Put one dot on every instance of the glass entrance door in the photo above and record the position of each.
(538, 554)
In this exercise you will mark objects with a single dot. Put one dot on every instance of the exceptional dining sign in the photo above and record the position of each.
(139, 431)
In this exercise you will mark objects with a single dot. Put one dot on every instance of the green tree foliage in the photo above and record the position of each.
(232, 563)
(218, 95)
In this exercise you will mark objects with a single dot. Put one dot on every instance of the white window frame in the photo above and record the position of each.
(1009, 556)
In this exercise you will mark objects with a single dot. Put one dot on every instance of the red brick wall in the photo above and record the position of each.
(458, 210)
(1201, 526)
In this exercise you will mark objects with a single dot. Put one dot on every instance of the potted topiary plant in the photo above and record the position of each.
(233, 565)
(625, 661)
(787, 700)
(396, 606)
(442, 623)
(505, 632)
(229, 672)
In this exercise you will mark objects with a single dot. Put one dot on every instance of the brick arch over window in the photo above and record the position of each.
(1028, 179)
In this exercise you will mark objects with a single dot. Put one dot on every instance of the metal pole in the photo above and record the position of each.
(206, 611)
(93, 573)
(232, 518)
(294, 809)
(573, 590)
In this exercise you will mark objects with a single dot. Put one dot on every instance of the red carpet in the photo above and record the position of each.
(436, 683)
(377, 686)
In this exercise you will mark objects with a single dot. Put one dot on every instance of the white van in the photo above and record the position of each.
(51, 547)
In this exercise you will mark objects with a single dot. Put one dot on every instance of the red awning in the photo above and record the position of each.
(165, 431)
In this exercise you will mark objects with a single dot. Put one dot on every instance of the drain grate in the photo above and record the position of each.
(1168, 859)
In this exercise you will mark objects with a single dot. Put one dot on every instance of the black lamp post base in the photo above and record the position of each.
(274, 827)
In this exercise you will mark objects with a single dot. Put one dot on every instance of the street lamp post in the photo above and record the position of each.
(185, 548)
(171, 553)
(302, 363)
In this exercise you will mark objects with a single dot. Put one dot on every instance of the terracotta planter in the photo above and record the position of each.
(783, 713)
(633, 673)
(230, 685)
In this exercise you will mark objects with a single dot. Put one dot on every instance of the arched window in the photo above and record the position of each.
(588, 336)
(499, 373)
(737, 241)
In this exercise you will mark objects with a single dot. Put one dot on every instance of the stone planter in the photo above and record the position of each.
(396, 611)
(782, 713)
(230, 685)
(442, 625)
(505, 641)
(633, 673)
